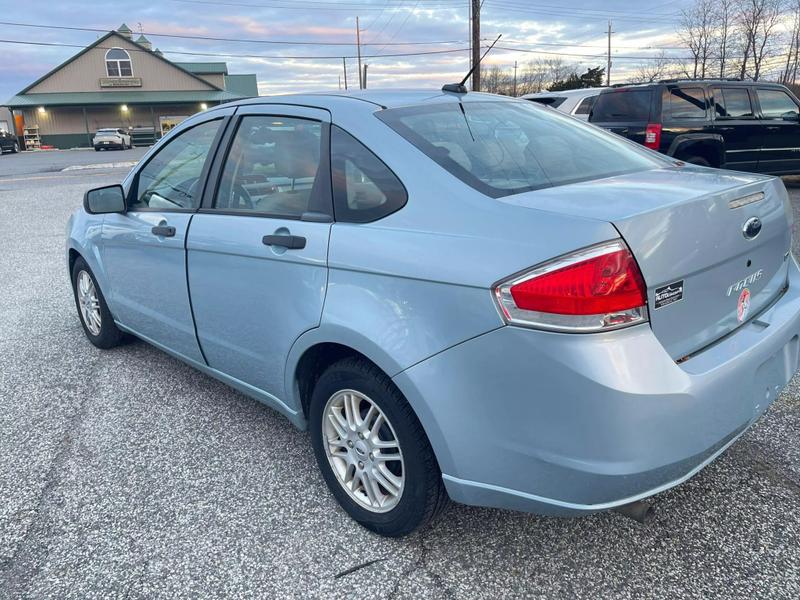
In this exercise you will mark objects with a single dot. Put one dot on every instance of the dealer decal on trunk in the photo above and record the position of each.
(743, 305)
(669, 294)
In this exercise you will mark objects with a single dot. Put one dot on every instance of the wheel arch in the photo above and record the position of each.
(315, 350)
(706, 145)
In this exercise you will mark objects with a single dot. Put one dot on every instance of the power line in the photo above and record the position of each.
(305, 6)
(224, 39)
(225, 55)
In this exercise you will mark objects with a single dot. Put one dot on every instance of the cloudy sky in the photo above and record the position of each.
(575, 31)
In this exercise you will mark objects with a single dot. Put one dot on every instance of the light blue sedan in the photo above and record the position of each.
(460, 295)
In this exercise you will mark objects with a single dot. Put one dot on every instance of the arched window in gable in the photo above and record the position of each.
(118, 63)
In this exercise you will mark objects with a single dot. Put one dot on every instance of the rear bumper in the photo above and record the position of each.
(564, 423)
(109, 145)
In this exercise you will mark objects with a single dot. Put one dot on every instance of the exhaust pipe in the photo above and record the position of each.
(640, 511)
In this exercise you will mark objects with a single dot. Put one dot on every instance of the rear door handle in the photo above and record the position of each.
(163, 230)
(292, 242)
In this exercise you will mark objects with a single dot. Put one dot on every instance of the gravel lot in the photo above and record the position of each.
(128, 474)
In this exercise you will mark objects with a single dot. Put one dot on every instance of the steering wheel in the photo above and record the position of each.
(241, 198)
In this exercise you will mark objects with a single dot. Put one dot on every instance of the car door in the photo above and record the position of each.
(780, 142)
(735, 120)
(257, 250)
(144, 249)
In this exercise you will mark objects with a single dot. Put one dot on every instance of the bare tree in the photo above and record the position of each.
(722, 37)
(757, 20)
(697, 32)
(789, 74)
(653, 70)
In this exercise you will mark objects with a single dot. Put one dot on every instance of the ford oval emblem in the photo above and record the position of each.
(751, 228)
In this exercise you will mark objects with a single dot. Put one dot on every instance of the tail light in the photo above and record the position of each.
(652, 136)
(594, 289)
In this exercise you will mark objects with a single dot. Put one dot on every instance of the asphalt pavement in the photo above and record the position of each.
(127, 474)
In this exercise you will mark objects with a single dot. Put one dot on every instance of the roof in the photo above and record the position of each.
(97, 42)
(204, 68)
(245, 86)
(132, 98)
(568, 93)
(387, 98)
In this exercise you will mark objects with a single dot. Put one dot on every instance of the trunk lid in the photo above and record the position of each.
(690, 245)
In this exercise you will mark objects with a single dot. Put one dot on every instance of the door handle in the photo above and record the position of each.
(291, 242)
(773, 128)
(163, 230)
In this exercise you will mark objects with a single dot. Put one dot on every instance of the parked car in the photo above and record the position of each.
(8, 142)
(106, 139)
(747, 126)
(459, 295)
(577, 103)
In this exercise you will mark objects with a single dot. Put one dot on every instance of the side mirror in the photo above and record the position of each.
(104, 200)
(791, 116)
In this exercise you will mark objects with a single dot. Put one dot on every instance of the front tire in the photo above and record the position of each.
(15, 148)
(96, 319)
(372, 450)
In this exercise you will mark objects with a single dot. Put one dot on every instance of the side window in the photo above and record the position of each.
(364, 189)
(272, 166)
(585, 107)
(732, 103)
(776, 104)
(687, 103)
(170, 180)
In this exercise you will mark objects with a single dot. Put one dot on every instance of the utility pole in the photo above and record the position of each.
(476, 45)
(358, 44)
(365, 75)
(344, 68)
(515, 79)
(608, 65)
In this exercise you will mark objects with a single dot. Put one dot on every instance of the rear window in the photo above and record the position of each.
(554, 101)
(504, 148)
(623, 105)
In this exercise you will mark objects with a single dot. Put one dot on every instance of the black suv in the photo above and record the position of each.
(8, 142)
(743, 125)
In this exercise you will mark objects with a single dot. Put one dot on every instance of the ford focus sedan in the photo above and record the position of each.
(460, 296)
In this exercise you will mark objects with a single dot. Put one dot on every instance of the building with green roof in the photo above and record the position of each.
(119, 82)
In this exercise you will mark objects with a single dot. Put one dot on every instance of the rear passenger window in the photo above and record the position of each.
(585, 107)
(732, 103)
(364, 189)
(272, 167)
(776, 104)
(687, 103)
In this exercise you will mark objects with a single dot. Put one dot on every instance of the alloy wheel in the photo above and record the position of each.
(89, 303)
(363, 451)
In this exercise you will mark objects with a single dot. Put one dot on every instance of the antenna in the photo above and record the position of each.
(460, 88)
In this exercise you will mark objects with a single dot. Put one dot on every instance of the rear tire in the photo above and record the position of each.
(412, 471)
(15, 148)
(96, 319)
(697, 160)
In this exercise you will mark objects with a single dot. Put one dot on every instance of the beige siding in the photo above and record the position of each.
(62, 120)
(217, 79)
(56, 120)
(5, 116)
(84, 73)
